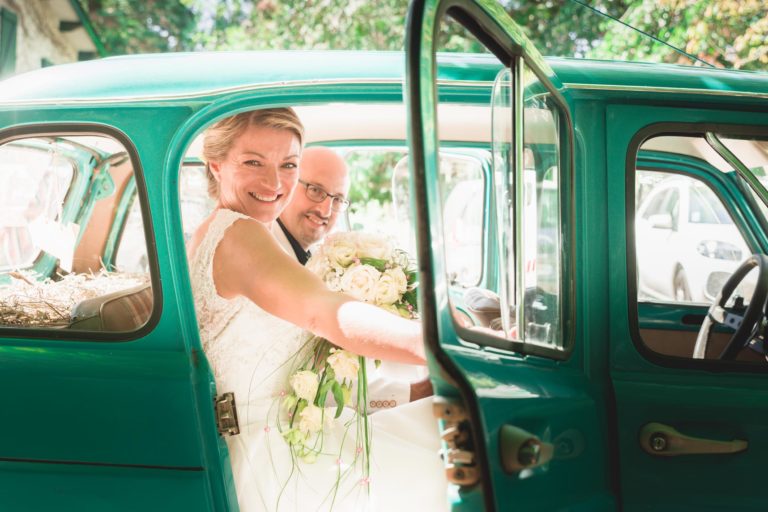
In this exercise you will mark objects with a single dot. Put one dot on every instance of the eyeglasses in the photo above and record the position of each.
(316, 193)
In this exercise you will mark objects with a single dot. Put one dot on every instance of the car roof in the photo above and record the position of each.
(154, 77)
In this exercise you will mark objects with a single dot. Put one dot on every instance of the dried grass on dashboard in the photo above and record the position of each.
(27, 302)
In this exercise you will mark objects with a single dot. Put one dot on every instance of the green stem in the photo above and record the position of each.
(363, 392)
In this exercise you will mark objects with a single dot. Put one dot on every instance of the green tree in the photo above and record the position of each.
(557, 27)
(127, 26)
(729, 33)
(724, 33)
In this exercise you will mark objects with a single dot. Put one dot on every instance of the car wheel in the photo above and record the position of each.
(680, 289)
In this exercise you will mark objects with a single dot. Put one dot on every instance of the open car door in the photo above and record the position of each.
(521, 404)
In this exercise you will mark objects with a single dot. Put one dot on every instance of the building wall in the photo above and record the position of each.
(38, 36)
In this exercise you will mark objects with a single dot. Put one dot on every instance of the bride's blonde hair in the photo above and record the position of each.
(219, 138)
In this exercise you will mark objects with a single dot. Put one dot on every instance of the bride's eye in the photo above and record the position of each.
(252, 163)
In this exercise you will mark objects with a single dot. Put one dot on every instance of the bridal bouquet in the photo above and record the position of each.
(369, 268)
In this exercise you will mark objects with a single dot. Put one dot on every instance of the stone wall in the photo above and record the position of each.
(38, 36)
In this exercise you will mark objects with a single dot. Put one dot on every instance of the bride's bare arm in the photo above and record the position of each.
(249, 262)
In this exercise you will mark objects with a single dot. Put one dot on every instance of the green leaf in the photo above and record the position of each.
(378, 264)
(338, 395)
(322, 393)
(289, 402)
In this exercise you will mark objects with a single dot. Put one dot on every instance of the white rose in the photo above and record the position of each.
(305, 383)
(391, 286)
(333, 280)
(360, 282)
(339, 250)
(311, 419)
(345, 365)
(318, 265)
(370, 245)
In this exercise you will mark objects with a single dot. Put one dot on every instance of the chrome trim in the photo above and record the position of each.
(676, 90)
(742, 170)
(232, 90)
(518, 194)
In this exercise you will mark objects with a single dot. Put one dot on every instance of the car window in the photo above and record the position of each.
(705, 208)
(61, 197)
(656, 204)
(33, 186)
(462, 198)
(194, 200)
(131, 255)
(520, 300)
(687, 243)
(672, 206)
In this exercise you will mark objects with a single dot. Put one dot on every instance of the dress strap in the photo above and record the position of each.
(222, 220)
(213, 311)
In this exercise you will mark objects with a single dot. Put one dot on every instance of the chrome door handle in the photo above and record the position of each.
(664, 441)
(521, 450)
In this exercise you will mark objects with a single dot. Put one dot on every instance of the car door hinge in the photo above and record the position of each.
(226, 414)
(458, 454)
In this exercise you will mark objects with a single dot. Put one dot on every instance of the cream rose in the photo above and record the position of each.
(370, 245)
(305, 383)
(318, 264)
(360, 282)
(345, 365)
(339, 250)
(333, 280)
(391, 286)
(311, 419)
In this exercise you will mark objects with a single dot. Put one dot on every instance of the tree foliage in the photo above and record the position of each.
(728, 33)
(724, 33)
(127, 26)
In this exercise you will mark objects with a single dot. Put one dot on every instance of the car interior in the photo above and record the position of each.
(85, 227)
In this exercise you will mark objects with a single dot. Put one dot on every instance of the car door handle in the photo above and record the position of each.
(664, 441)
(522, 450)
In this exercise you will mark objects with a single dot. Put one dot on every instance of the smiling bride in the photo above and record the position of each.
(255, 307)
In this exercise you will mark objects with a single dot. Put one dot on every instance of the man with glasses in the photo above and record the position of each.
(320, 197)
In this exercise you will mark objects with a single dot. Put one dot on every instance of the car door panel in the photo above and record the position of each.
(654, 388)
(500, 388)
(129, 412)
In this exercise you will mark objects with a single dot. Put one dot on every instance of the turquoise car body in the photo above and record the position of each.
(125, 421)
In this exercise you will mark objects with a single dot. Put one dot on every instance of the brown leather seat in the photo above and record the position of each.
(125, 310)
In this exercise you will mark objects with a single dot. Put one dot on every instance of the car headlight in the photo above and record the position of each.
(719, 250)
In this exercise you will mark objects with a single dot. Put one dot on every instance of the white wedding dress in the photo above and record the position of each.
(250, 352)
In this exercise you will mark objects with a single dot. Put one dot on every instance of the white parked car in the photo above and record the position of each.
(687, 243)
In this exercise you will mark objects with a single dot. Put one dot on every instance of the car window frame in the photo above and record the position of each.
(51, 129)
(730, 187)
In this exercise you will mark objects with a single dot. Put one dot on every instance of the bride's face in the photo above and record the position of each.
(259, 174)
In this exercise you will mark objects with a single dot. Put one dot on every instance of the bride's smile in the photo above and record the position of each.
(259, 172)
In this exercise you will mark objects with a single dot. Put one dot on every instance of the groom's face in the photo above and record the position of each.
(305, 219)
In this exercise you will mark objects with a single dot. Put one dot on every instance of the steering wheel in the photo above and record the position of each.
(745, 326)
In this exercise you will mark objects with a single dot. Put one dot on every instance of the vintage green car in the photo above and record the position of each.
(591, 241)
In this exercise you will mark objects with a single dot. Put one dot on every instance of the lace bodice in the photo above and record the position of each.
(247, 347)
